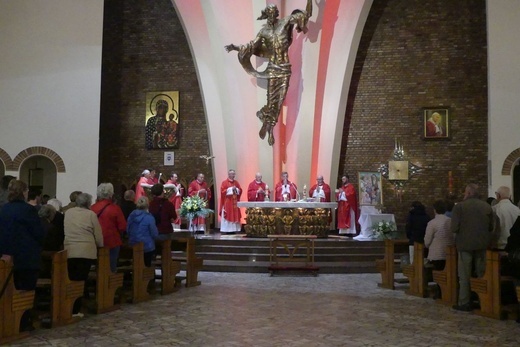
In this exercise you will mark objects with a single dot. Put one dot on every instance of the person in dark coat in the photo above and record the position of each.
(21, 239)
(416, 224)
(128, 204)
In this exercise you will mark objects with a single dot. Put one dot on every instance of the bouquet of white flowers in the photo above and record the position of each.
(193, 207)
(384, 229)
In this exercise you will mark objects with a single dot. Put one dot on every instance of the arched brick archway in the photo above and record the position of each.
(8, 162)
(510, 160)
(43, 151)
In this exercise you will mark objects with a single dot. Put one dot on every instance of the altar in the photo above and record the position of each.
(287, 218)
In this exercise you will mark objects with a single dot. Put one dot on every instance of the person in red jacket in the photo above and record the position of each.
(112, 220)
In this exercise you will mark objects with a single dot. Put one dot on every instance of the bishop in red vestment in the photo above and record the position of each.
(199, 187)
(348, 212)
(257, 190)
(230, 193)
(285, 190)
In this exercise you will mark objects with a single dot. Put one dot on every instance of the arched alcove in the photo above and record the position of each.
(511, 167)
(43, 151)
(6, 161)
(40, 174)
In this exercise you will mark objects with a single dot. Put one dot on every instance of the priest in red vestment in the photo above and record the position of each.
(285, 190)
(144, 180)
(230, 193)
(320, 191)
(348, 212)
(176, 198)
(258, 190)
(199, 187)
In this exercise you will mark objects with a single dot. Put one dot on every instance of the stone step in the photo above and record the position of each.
(265, 256)
(265, 249)
(236, 253)
(262, 267)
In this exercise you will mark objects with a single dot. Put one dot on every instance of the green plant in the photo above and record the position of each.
(384, 229)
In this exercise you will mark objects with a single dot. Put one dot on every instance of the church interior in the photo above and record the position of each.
(76, 79)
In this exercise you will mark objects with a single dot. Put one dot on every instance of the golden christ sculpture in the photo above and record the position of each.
(272, 42)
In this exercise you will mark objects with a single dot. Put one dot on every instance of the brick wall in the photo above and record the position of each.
(144, 50)
(416, 54)
(413, 54)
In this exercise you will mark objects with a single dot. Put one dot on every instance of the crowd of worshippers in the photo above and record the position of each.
(28, 226)
(473, 226)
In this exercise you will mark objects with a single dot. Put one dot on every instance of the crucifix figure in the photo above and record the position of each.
(272, 42)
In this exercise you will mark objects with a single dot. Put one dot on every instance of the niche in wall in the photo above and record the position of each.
(40, 173)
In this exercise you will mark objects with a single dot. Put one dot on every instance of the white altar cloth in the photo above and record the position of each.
(369, 216)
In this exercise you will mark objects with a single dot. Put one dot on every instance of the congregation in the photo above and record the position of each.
(28, 228)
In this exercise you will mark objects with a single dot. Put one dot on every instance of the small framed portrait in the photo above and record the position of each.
(370, 188)
(436, 123)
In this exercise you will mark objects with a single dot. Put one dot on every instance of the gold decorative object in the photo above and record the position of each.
(272, 42)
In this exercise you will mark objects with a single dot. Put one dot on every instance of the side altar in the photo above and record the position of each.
(287, 218)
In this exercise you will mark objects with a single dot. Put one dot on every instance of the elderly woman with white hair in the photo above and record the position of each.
(82, 238)
(112, 220)
(59, 217)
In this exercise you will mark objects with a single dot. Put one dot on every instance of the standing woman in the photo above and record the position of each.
(82, 237)
(21, 239)
(112, 220)
(142, 228)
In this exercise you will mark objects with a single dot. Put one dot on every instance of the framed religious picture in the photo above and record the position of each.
(162, 120)
(370, 188)
(436, 123)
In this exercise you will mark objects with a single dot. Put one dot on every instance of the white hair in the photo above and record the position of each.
(55, 203)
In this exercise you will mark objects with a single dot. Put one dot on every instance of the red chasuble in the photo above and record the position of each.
(228, 203)
(176, 199)
(344, 207)
(281, 188)
(326, 190)
(252, 191)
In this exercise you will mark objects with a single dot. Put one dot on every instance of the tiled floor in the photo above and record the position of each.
(234, 309)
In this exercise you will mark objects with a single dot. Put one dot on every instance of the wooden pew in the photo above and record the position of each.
(416, 273)
(107, 283)
(386, 266)
(488, 288)
(141, 274)
(169, 267)
(447, 279)
(188, 256)
(13, 304)
(64, 292)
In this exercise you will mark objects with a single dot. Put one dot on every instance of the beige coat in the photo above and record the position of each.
(82, 233)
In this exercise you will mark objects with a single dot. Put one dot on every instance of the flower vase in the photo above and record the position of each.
(193, 228)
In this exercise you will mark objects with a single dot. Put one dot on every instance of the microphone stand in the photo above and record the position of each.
(297, 193)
